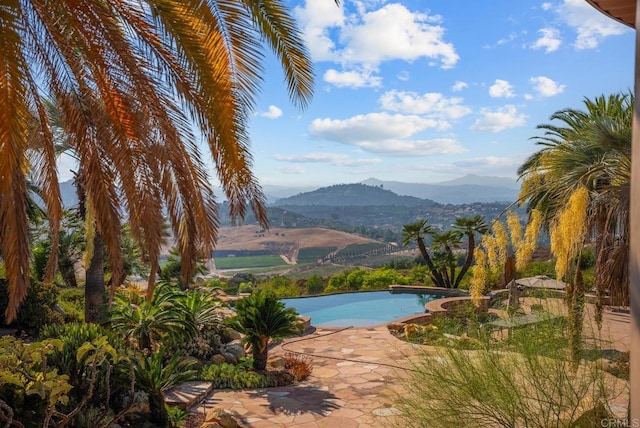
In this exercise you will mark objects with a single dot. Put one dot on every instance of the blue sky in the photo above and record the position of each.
(425, 91)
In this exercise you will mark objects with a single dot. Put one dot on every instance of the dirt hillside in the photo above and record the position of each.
(254, 238)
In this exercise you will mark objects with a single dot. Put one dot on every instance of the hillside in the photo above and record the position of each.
(342, 195)
(464, 190)
(293, 245)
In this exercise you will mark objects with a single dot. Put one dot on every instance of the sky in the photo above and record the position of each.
(425, 91)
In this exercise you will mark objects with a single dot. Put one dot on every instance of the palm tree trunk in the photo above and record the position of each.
(471, 246)
(68, 272)
(94, 288)
(436, 276)
(260, 355)
(603, 241)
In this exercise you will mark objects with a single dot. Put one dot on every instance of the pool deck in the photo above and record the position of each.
(354, 380)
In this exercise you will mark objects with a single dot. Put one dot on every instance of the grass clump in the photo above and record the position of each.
(528, 380)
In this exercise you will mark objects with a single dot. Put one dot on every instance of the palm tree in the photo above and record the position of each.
(592, 149)
(262, 318)
(444, 244)
(137, 83)
(469, 226)
(415, 232)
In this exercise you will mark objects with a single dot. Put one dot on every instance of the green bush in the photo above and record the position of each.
(36, 310)
(71, 300)
(314, 285)
(530, 381)
(73, 336)
(236, 376)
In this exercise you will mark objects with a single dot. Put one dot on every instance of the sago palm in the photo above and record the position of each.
(138, 83)
(262, 318)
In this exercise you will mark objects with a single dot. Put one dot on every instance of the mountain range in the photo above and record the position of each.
(463, 190)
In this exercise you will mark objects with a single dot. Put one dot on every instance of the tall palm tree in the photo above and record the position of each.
(137, 82)
(591, 149)
(415, 232)
(444, 244)
(469, 226)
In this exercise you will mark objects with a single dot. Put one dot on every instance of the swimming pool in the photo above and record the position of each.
(359, 309)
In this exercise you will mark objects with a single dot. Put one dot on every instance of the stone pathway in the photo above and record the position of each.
(352, 385)
(354, 380)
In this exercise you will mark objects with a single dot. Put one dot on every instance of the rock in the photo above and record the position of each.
(219, 418)
(233, 335)
(218, 359)
(236, 349)
(229, 358)
(276, 362)
(283, 378)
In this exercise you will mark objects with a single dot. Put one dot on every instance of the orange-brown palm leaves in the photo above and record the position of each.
(137, 84)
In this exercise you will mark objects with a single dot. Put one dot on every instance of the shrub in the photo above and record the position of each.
(492, 387)
(37, 308)
(300, 366)
(71, 300)
(314, 285)
(236, 376)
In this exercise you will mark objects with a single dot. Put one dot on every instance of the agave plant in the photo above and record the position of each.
(261, 318)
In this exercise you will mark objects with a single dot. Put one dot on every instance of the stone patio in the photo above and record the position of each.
(354, 380)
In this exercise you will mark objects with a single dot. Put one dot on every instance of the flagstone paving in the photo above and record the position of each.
(354, 380)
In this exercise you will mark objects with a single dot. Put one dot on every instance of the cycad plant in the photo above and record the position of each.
(261, 318)
(147, 324)
(155, 376)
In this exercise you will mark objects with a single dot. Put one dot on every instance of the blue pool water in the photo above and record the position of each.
(359, 309)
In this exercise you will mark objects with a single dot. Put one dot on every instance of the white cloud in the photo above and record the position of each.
(504, 166)
(458, 86)
(403, 76)
(549, 40)
(331, 158)
(501, 89)
(317, 18)
(500, 119)
(386, 133)
(412, 148)
(291, 169)
(372, 126)
(546, 87)
(592, 27)
(394, 32)
(352, 79)
(374, 34)
(546, 6)
(433, 104)
(272, 112)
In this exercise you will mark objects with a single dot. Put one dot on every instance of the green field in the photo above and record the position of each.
(360, 248)
(248, 262)
(311, 254)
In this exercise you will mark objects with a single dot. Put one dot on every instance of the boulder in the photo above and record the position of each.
(218, 359)
(236, 349)
(229, 358)
(220, 417)
(233, 335)
(276, 362)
